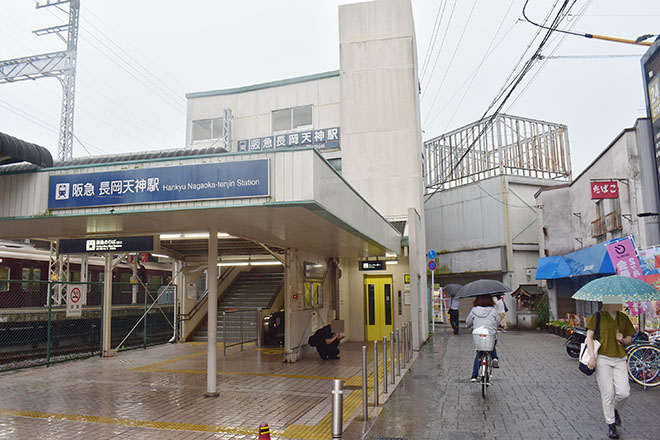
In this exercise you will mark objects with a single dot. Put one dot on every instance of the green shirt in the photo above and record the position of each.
(609, 346)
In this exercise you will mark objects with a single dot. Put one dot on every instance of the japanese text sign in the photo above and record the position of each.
(223, 180)
(322, 139)
(605, 190)
(624, 259)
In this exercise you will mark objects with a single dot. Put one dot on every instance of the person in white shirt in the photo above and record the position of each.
(501, 310)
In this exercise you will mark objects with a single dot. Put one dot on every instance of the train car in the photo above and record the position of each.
(24, 277)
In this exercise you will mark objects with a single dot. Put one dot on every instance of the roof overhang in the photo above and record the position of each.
(310, 208)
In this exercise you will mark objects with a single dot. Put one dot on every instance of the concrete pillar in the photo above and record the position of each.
(107, 306)
(212, 301)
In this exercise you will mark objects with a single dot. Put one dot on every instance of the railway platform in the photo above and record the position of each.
(158, 393)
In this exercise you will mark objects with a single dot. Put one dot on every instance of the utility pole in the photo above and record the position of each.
(61, 65)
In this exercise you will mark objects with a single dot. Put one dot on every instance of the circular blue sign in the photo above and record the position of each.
(431, 254)
(431, 265)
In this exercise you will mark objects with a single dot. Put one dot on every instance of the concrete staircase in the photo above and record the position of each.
(251, 290)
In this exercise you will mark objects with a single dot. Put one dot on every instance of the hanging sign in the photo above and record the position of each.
(372, 265)
(605, 190)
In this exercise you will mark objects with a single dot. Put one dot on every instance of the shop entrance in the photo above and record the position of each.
(379, 306)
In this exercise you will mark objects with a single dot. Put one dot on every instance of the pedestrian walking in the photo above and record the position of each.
(453, 312)
(616, 331)
(501, 307)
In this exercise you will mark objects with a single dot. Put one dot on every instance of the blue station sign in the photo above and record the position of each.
(224, 180)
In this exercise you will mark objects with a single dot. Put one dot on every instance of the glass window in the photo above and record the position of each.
(125, 283)
(302, 116)
(75, 276)
(154, 282)
(292, 118)
(36, 276)
(600, 209)
(25, 276)
(206, 129)
(282, 120)
(4, 279)
(336, 164)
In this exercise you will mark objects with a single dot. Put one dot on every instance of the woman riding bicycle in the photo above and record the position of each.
(483, 314)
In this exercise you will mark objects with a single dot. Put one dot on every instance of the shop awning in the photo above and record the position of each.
(587, 261)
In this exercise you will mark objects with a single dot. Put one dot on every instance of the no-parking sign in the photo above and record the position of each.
(74, 301)
(432, 265)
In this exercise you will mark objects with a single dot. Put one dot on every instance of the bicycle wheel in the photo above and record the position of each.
(485, 376)
(644, 365)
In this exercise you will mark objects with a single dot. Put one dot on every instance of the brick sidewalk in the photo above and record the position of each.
(538, 393)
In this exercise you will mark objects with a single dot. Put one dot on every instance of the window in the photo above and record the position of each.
(125, 283)
(292, 118)
(336, 164)
(207, 129)
(30, 274)
(154, 282)
(600, 209)
(75, 276)
(4, 279)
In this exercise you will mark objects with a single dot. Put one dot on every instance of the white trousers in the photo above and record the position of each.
(612, 378)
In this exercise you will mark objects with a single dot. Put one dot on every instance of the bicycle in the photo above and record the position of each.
(484, 342)
(643, 361)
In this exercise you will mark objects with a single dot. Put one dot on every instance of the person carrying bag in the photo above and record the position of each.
(614, 331)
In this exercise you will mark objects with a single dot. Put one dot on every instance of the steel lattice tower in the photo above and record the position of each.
(61, 65)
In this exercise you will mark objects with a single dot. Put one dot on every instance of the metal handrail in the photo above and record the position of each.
(257, 336)
(204, 298)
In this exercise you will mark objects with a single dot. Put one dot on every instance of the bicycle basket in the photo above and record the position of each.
(483, 341)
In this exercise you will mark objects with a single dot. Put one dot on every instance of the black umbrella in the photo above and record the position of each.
(452, 289)
(482, 287)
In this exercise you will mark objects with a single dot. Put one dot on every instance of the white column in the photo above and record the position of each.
(107, 306)
(84, 277)
(212, 301)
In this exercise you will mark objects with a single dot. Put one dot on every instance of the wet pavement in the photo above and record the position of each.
(537, 393)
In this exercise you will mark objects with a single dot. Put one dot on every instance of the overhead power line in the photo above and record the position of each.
(511, 86)
(639, 41)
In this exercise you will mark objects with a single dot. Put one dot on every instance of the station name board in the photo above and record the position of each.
(372, 265)
(111, 244)
(224, 180)
(323, 139)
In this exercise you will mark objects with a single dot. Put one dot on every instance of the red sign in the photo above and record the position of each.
(605, 190)
(75, 295)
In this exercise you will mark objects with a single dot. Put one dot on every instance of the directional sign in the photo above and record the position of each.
(431, 254)
(432, 265)
(73, 301)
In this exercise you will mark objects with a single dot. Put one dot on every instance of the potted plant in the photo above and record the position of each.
(542, 307)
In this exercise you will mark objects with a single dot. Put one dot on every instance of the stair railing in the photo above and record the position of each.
(202, 301)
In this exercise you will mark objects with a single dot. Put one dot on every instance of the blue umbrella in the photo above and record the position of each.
(616, 288)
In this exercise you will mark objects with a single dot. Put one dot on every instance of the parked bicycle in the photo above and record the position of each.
(484, 342)
(643, 359)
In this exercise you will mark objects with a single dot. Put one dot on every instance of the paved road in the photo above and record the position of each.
(538, 393)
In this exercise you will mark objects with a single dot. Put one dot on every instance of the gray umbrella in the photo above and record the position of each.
(482, 287)
(452, 289)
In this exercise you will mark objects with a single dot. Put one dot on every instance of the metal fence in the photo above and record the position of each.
(35, 331)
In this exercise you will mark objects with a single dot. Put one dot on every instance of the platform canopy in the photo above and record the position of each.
(285, 199)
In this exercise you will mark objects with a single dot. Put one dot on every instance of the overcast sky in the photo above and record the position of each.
(138, 59)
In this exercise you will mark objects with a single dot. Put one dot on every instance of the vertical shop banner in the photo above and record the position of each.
(624, 259)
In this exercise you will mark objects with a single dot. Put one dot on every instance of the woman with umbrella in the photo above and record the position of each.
(615, 331)
(483, 313)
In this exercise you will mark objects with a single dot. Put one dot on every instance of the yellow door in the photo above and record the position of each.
(379, 305)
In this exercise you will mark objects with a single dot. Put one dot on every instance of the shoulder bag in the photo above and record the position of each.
(585, 357)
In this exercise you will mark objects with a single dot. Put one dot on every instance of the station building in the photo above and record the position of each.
(319, 177)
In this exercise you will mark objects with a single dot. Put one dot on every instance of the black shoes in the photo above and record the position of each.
(612, 431)
(617, 418)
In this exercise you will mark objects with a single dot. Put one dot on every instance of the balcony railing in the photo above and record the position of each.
(613, 221)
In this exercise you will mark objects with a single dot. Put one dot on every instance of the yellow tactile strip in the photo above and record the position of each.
(130, 422)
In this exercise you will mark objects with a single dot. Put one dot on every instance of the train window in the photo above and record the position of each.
(4, 279)
(125, 283)
(154, 282)
(30, 274)
(75, 276)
